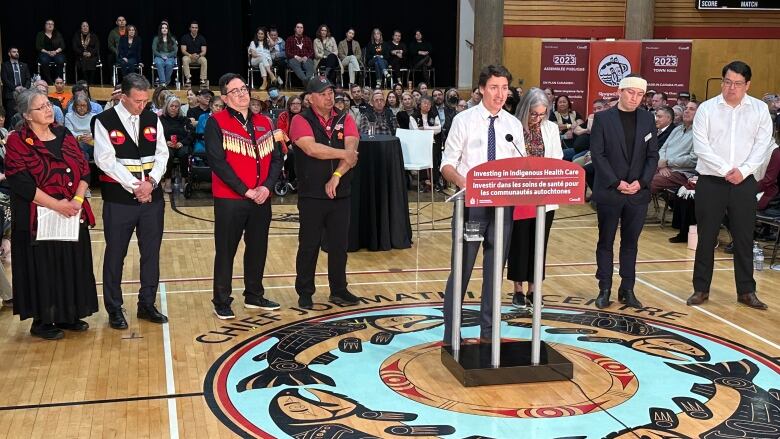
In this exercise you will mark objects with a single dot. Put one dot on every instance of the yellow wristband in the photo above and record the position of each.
(337, 174)
(79, 199)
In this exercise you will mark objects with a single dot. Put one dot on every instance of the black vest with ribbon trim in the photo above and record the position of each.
(137, 158)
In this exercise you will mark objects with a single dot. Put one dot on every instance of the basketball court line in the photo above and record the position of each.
(173, 418)
(711, 314)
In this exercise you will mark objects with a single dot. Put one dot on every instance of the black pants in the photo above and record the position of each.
(522, 252)
(397, 64)
(631, 218)
(485, 216)
(332, 67)
(322, 218)
(233, 219)
(436, 163)
(119, 222)
(714, 197)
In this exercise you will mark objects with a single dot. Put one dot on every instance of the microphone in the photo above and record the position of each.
(509, 138)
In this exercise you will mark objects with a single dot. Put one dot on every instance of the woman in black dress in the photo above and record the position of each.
(53, 282)
(179, 136)
(541, 140)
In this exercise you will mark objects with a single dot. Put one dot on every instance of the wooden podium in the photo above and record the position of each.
(500, 184)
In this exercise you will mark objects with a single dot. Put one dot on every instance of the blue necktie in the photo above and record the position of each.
(492, 139)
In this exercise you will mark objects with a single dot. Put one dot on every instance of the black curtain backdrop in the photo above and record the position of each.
(229, 25)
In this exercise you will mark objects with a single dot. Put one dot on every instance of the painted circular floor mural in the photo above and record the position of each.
(377, 373)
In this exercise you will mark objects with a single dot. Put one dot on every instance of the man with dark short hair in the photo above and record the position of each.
(479, 135)
(732, 137)
(624, 150)
(326, 144)
(245, 164)
(299, 50)
(15, 75)
(193, 51)
(132, 155)
(664, 123)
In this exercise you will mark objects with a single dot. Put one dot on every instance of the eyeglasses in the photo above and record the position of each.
(295, 103)
(240, 91)
(46, 106)
(736, 84)
(533, 115)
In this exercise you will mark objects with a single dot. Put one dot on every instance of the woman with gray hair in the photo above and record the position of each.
(179, 136)
(541, 140)
(79, 123)
(53, 282)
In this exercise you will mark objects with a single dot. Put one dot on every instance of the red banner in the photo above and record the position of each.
(610, 61)
(565, 71)
(667, 67)
(525, 181)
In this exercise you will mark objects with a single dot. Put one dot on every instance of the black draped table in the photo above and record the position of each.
(380, 203)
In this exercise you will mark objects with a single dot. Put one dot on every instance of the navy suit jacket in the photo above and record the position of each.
(609, 154)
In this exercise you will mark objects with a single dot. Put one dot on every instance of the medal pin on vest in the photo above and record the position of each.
(117, 137)
(150, 133)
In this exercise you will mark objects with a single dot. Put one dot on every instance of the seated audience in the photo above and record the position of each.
(676, 159)
(461, 106)
(79, 122)
(179, 136)
(294, 107)
(664, 123)
(159, 95)
(276, 100)
(82, 88)
(86, 48)
(113, 39)
(648, 105)
(15, 75)
(193, 51)
(658, 100)
(391, 102)
(377, 55)
(59, 116)
(278, 54)
(566, 118)
(50, 47)
(769, 203)
(300, 54)
(416, 95)
(326, 54)
(215, 105)
(380, 117)
(581, 143)
(204, 99)
(422, 87)
(405, 116)
(678, 113)
(542, 139)
(683, 98)
(451, 98)
(420, 55)
(350, 55)
(116, 96)
(192, 101)
(61, 93)
(358, 100)
(397, 56)
(164, 48)
(260, 57)
(445, 113)
(476, 98)
(129, 51)
(428, 119)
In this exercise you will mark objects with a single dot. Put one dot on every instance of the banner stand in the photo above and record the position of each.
(501, 362)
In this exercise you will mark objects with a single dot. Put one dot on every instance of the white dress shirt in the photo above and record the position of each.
(436, 127)
(467, 140)
(726, 137)
(105, 157)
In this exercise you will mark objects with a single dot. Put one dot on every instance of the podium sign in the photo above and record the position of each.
(533, 181)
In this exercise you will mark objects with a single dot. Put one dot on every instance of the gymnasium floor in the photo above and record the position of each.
(373, 370)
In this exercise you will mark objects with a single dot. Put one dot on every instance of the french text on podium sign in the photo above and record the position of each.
(525, 181)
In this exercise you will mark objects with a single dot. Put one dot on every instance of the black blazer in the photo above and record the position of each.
(609, 154)
(665, 135)
(8, 78)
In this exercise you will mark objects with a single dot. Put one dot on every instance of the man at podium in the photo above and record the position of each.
(482, 133)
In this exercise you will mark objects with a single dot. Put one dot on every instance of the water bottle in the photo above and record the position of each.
(758, 257)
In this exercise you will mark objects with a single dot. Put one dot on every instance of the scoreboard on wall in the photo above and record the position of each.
(738, 5)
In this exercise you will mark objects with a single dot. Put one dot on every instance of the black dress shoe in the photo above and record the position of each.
(697, 298)
(678, 239)
(344, 298)
(750, 299)
(46, 331)
(602, 301)
(150, 313)
(518, 299)
(77, 326)
(628, 298)
(305, 302)
(116, 320)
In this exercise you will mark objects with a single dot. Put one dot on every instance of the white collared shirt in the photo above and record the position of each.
(726, 137)
(467, 140)
(105, 157)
